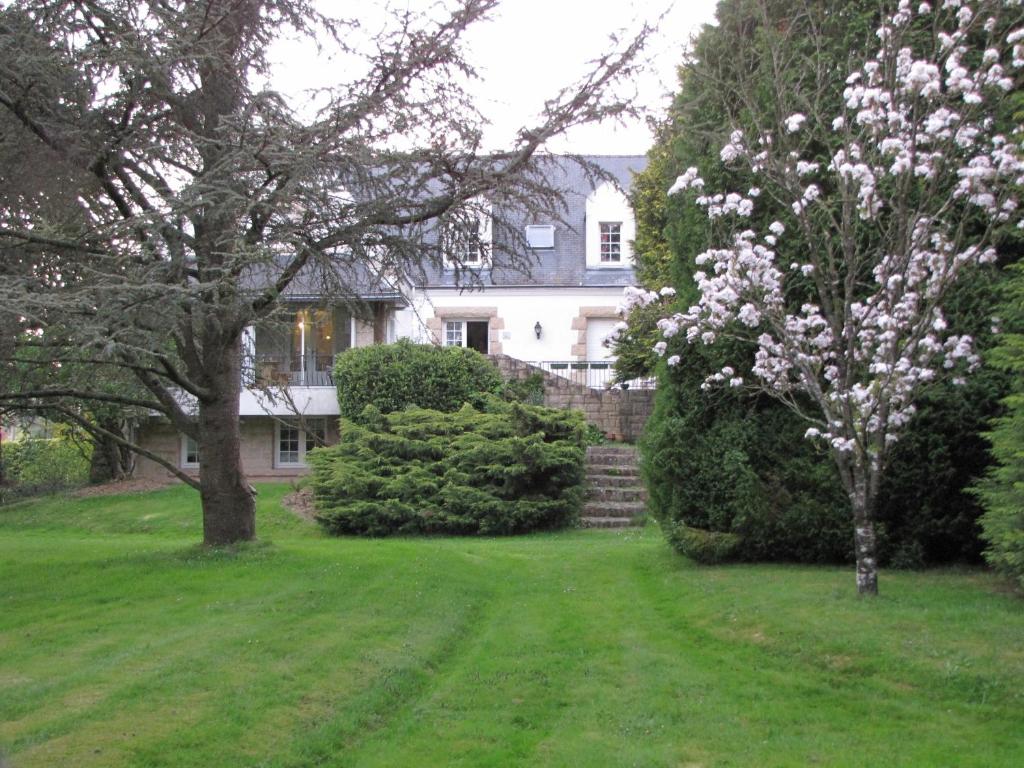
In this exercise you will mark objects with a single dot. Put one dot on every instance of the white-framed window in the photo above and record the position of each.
(468, 240)
(540, 235)
(610, 229)
(611, 241)
(189, 453)
(455, 333)
(474, 334)
(293, 439)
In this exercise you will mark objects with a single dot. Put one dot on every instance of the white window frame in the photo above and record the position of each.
(617, 243)
(315, 423)
(461, 330)
(540, 236)
(186, 445)
(485, 236)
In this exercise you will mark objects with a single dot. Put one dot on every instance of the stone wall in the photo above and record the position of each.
(257, 450)
(619, 413)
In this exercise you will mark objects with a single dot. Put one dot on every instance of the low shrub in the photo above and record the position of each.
(529, 390)
(394, 376)
(504, 468)
(705, 547)
(38, 465)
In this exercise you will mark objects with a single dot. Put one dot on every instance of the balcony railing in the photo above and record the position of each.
(596, 374)
(297, 370)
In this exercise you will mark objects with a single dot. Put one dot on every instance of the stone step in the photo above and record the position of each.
(603, 480)
(633, 509)
(611, 449)
(611, 460)
(607, 522)
(616, 493)
(631, 473)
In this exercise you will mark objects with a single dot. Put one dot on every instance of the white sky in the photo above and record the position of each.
(532, 48)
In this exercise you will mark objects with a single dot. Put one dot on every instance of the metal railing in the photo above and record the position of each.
(308, 370)
(596, 374)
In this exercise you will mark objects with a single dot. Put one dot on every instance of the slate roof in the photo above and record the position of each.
(565, 265)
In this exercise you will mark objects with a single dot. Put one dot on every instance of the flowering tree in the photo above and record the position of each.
(842, 295)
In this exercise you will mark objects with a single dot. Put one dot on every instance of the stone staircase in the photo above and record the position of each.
(616, 497)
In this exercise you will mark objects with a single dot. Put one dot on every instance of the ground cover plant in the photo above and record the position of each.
(503, 468)
(576, 648)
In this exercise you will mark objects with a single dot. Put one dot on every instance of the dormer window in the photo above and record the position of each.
(540, 236)
(610, 229)
(466, 236)
(611, 241)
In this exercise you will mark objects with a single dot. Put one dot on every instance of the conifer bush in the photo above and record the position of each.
(394, 376)
(501, 468)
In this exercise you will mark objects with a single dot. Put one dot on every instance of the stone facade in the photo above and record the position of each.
(257, 450)
(620, 413)
(495, 324)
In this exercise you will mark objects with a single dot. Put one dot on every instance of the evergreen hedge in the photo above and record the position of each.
(722, 462)
(504, 468)
(393, 376)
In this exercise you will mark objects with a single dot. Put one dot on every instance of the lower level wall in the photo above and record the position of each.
(619, 413)
(257, 450)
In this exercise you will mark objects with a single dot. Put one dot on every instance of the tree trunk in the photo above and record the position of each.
(229, 508)
(864, 535)
(109, 461)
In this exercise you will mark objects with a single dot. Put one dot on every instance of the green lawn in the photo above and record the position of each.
(123, 644)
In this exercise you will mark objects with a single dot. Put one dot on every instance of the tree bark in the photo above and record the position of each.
(110, 461)
(864, 535)
(229, 508)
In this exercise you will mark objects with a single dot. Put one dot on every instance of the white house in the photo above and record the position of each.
(556, 314)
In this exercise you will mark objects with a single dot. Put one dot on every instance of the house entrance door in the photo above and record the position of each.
(476, 336)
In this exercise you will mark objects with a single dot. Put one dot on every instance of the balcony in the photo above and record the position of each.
(297, 348)
(297, 370)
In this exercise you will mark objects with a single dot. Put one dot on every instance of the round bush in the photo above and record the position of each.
(391, 377)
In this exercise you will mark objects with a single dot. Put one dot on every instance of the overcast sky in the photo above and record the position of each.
(531, 48)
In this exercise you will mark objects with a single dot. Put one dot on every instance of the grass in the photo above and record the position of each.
(123, 644)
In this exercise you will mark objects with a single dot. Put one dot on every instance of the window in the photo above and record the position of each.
(292, 442)
(465, 237)
(453, 334)
(609, 228)
(611, 241)
(540, 236)
(189, 453)
(467, 333)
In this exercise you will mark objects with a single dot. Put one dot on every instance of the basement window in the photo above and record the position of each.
(292, 442)
(189, 453)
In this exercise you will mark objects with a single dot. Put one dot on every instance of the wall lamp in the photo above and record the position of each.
(537, 329)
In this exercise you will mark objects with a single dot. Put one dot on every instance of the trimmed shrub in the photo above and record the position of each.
(503, 469)
(394, 376)
(38, 465)
(705, 547)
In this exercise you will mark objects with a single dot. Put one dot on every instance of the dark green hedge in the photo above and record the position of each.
(394, 376)
(507, 468)
(723, 462)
